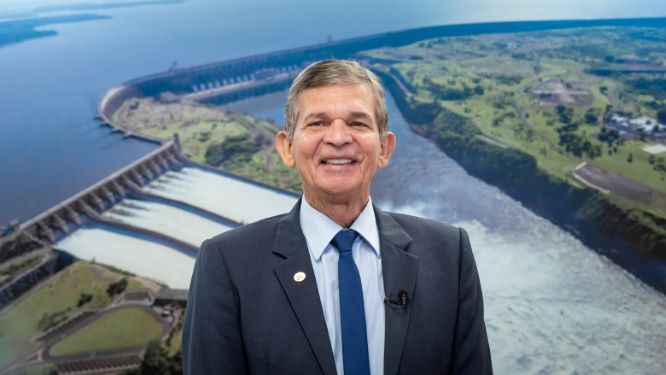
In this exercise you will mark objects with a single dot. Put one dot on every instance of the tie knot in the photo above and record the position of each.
(344, 239)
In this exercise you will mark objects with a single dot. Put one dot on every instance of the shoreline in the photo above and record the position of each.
(585, 213)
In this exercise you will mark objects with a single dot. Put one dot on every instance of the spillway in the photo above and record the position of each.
(134, 254)
(156, 229)
(228, 196)
(163, 218)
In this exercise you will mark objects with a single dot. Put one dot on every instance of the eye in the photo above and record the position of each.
(358, 124)
(317, 123)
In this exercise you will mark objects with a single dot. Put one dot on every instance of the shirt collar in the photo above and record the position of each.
(319, 229)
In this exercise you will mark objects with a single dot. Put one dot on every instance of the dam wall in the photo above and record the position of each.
(61, 219)
(234, 79)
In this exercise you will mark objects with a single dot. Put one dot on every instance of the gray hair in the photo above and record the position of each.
(335, 72)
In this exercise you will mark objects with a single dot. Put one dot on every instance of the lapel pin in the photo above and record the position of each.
(299, 276)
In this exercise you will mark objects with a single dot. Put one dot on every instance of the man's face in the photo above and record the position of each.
(336, 145)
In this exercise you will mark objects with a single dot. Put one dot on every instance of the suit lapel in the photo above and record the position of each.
(303, 296)
(399, 270)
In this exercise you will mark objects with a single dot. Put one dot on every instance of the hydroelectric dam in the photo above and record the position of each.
(150, 217)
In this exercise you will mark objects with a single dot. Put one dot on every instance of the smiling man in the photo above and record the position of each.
(336, 286)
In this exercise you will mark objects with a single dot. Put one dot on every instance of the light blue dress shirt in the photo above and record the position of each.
(319, 230)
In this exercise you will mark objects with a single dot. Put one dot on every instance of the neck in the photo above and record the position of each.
(343, 212)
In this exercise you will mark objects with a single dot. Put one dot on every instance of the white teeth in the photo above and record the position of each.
(338, 161)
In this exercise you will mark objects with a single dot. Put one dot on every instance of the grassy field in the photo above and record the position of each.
(124, 328)
(233, 142)
(173, 345)
(497, 82)
(196, 125)
(55, 300)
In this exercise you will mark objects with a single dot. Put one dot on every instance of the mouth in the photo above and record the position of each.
(338, 162)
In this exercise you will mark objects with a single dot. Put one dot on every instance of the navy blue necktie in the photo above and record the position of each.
(352, 313)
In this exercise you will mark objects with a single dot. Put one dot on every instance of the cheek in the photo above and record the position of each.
(305, 150)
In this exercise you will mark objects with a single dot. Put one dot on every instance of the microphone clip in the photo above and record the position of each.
(400, 302)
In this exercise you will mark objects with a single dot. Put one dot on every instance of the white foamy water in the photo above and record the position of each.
(229, 197)
(136, 255)
(553, 306)
(166, 219)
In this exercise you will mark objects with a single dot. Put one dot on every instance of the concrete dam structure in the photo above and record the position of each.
(63, 218)
(150, 217)
(235, 79)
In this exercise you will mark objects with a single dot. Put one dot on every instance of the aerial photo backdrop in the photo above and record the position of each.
(133, 130)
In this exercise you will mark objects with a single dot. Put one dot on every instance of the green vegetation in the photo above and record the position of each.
(655, 87)
(117, 288)
(158, 361)
(173, 342)
(58, 298)
(123, 328)
(542, 94)
(233, 142)
(543, 112)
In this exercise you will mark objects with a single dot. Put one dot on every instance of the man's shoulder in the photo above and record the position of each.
(437, 244)
(421, 227)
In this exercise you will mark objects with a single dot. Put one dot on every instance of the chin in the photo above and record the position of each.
(342, 190)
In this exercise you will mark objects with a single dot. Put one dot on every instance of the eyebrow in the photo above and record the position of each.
(354, 115)
(362, 115)
(314, 115)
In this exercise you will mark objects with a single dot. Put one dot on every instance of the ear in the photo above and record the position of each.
(387, 146)
(283, 148)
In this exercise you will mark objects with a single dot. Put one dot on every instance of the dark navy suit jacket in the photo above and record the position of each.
(247, 315)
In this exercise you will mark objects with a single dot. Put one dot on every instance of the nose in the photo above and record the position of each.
(337, 133)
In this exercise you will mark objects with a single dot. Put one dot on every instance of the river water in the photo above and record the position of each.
(553, 306)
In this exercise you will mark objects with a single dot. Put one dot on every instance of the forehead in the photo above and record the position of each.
(341, 100)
